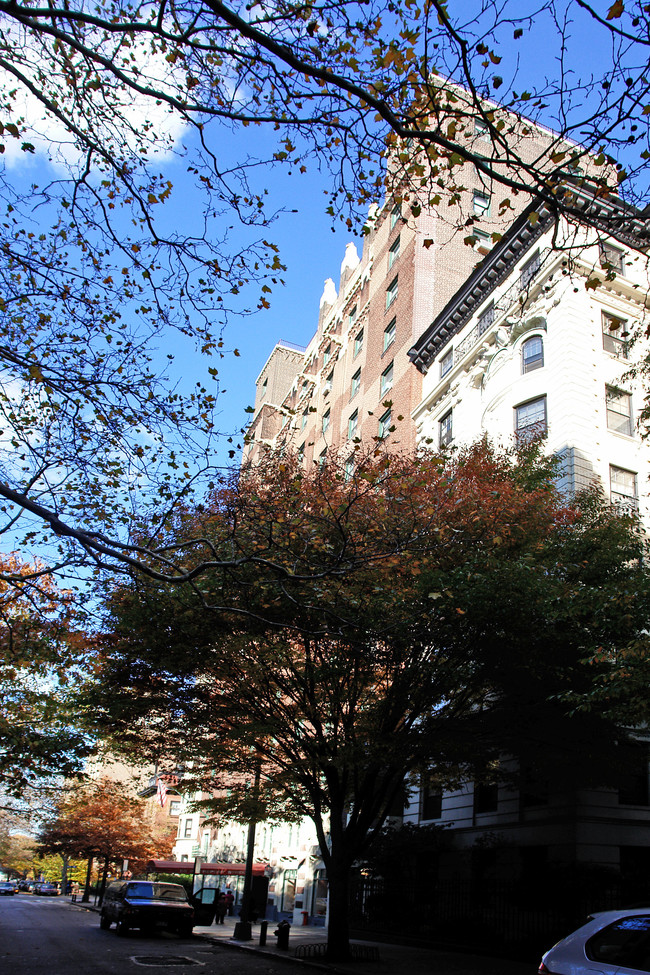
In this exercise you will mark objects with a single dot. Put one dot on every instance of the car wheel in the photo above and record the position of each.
(122, 928)
(104, 922)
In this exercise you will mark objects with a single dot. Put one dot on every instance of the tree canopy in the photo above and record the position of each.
(42, 654)
(469, 597)
(100, 434)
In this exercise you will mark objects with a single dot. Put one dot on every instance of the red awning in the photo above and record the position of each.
(187, 866)
(238, 869)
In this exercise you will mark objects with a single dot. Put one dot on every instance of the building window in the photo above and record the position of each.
(619, 410)
(391, 293)
(327, 354)
(445, 431)
(530, 420)
(486, 319)
(356, 383)
(614, 334)
(384, 425)
(529, 270)
(386, 379)
(326, 421)
(301, 452)
(633, 788)
(532, 354)
(481, 130)
(446, 363)
(481, 204)
(174, 807)
(188, 829)
(623, 488)
(304, 418)
(393, 252)
(329, 382)
(482, 241)
(395, 214)
(322, 457)
(486, 797)
(264, 388)
(389, 333)
(613, 258)
(353, 423)
(352, 317)
(358, 343)
(430, 800)
(349, 468)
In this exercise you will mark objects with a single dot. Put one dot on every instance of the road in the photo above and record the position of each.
(49, 936)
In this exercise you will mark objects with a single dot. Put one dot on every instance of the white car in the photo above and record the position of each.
(610, 943)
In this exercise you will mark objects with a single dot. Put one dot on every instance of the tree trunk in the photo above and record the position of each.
(86, 896)
(102, 886)
(338, 931)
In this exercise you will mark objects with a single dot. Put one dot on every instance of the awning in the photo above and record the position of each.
(187, 866)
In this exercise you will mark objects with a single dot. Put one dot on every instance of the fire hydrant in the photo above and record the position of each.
(282, 933)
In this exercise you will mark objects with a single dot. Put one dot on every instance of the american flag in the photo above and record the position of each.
(161, 792)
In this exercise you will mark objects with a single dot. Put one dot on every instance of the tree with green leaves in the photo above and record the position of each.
(467, 597)
(101, 435)
(42, 657)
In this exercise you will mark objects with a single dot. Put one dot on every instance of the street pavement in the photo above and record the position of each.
(389, 959)
(393, 959)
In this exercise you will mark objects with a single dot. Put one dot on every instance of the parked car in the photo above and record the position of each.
(146, 905)
(7, 889)
(610, 942)
(47, 890)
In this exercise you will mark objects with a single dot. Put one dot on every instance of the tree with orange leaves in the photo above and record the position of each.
(40, 656)
(102, 820)
(421, 611)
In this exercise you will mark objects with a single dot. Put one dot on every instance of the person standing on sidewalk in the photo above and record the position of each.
(222, 908)
(230, 901)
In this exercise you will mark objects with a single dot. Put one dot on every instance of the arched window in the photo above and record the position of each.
(532, 354)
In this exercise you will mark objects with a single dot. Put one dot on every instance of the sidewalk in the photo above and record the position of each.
(392, 959)
(387, 959)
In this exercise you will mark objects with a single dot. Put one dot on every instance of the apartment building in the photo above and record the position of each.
(540, 341)
(354, 381)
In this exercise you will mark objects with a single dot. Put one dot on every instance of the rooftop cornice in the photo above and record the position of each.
(613, 217)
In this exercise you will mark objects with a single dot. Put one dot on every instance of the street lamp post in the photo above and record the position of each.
(242, 930)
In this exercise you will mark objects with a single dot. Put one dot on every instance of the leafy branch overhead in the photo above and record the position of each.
(98, 280)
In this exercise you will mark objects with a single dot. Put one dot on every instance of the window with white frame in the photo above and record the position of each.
(188, 828)
(481, 129)
(304, 418)
(355, 385)
(481, 204)
(353, 424)
(532, 354)
(327, 354)
(615, 333)
(395, 214)
(529, 270)
(445, 429)
(264, 388)
(174, 807)
(322, 457)
(358, 343)
(393, 252)
(326, 421)
(352, 317)
(611, 257)
(391, 292)
(386, 379)
(619, 410)
(623, 490)
(349, 468)
(531, 420)
(482, 241)
(301, 452)
(446, 363)
(389, 333)
(329, 382)
(384, 425)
